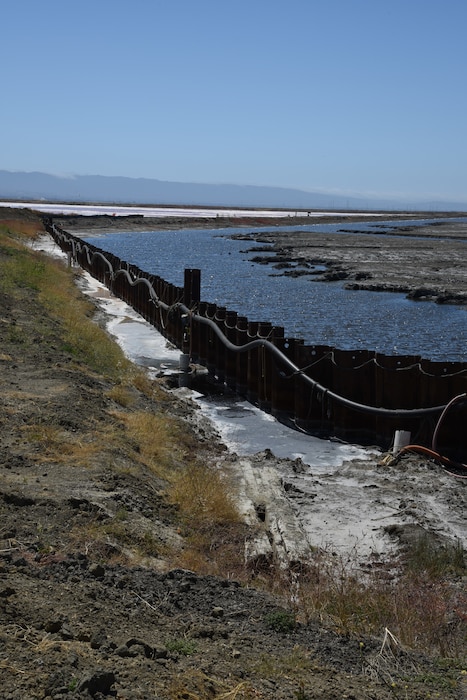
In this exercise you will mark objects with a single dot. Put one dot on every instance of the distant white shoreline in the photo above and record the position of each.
(155, 212)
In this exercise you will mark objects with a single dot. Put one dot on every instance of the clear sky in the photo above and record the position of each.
(344, 96)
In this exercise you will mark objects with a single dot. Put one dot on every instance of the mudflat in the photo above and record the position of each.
(425, 262)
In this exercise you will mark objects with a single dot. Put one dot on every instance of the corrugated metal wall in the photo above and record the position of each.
(399, 384)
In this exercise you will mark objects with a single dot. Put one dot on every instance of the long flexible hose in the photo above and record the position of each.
(433, 451)
(257, 343)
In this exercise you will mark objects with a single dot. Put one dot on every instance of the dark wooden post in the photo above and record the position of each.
(157, 317)
(211, 341)
(192, 288)
(191, 299)
(201, 337)
(253, 364)
(265, 331)
(173, 327)
(311, 408)
(353, 376)
(439, 383)
(270, 373)
(396, 386)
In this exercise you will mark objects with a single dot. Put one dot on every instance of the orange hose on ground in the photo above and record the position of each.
(435, 455)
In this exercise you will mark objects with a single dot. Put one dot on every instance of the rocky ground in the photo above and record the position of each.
(82, 618)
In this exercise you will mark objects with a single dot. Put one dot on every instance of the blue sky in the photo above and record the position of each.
(345, 96)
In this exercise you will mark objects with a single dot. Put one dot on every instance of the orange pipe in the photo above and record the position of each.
(435, 455)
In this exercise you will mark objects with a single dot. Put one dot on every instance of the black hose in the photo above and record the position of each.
(258, 343)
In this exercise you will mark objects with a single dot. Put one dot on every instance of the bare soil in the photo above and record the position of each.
(78, 621)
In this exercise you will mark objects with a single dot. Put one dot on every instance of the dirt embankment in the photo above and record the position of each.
(80, 618)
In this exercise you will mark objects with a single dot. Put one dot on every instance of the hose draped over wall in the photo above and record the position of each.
(318, 389)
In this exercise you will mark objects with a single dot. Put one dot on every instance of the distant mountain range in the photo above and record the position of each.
(38, 186)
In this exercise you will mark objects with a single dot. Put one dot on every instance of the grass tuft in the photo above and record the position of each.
(155, 439)
(122, 395)
(203, 495)
(185, 647)
(423, 611)
(282, 621)
(425, 556)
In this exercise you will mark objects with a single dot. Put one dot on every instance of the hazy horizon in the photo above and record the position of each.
(37, 186)
(358, 99)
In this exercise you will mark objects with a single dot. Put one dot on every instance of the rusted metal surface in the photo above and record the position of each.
(299, 384)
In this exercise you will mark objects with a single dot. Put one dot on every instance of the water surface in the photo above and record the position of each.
(319, 312)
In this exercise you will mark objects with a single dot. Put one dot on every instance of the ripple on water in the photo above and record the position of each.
(319, 313)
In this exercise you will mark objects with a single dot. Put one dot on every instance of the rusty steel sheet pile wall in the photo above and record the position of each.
(358, 396)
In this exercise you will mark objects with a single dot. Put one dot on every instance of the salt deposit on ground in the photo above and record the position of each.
(182, 212)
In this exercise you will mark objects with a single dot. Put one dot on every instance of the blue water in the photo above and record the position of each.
(319, 312)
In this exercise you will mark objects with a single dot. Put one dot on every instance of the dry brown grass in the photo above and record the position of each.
(203, 495)
(122, 395)
(424, 611)
(56, 444)
(197, 685)
(155, 439)
(213, 531)
(151, 389)
(23, 228)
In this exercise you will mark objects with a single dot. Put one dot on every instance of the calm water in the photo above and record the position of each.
(318, 312)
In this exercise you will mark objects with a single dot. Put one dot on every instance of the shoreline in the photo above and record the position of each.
(139, 222)
(426, 263)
